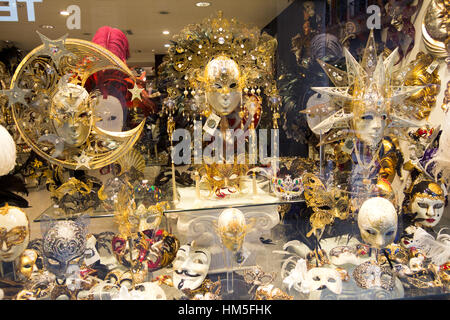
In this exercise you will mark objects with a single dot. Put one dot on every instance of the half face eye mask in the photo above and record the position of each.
(321, 278)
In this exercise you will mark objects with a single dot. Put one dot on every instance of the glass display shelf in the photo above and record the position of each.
(54, 213)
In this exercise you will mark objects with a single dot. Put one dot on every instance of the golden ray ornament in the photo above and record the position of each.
(371, 85)
(55, 114)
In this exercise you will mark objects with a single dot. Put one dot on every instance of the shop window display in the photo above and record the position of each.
(303, 158)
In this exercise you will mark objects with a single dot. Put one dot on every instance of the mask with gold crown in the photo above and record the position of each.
(367, 99)
(222, 70)
(54, 112)
(218, 65)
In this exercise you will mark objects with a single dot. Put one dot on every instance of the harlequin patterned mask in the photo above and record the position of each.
(64, 243)
(14, 233)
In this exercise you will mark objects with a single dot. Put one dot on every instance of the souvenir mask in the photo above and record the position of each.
(342, 255)
(71, 113)
(190, 267)
(427, 203)
(232, 228)
(110, 112)
(434, 28)
(14, 233)
(148, 291)
(368, 275)
(321, 278)
(27, 263)
(64, 243)
(224, 91)
(156, 249)
(146, 218)
(377, 222)
(369, 127)
(222, 178)
(269, 292)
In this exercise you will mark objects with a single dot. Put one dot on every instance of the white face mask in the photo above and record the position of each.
(369, 128)
(377, 222)
(428, 211)
(111, 114)
(190, 267)
(14, 233)
(223, 92)
(321, 278)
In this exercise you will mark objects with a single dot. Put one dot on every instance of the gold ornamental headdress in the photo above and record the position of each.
(184, 71)
(53, 111)
(371, 85)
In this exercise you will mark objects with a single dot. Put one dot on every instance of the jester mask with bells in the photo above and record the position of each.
(56, 115)
(211, 64)
(366, 100)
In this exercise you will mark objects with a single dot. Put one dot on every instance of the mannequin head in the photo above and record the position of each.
(377, 222)
(223, 85)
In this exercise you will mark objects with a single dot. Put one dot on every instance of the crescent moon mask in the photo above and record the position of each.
(56, 115)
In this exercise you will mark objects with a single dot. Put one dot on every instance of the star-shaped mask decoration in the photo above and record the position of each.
(16, 95)
(368, 86)
(55, 49)
(82, 160)
(136, 92)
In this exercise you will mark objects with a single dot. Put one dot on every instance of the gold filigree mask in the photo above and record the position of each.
(71, 114)
(14, 233)
(326, 204)
(232, 228)
(27, 263)
(223, 85)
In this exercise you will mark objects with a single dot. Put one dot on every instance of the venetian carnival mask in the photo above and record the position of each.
(64, 244)
(434, 28)
(14, 233)
(190, 267)
(232, 228)
(377, 222)
(321, 278)
(27, 263)
(156, 248)
(369, 125)
(369, 275)
(427, 203)
(223, 90)
(71, 113)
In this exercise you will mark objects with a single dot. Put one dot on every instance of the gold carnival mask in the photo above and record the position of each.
(14, 232)
(367, 98)
(55, 114)
(27, 263)
(71, 113)
(326, 204)
(232, 228)
(218, 59)
(224, 85)
(223, 176)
